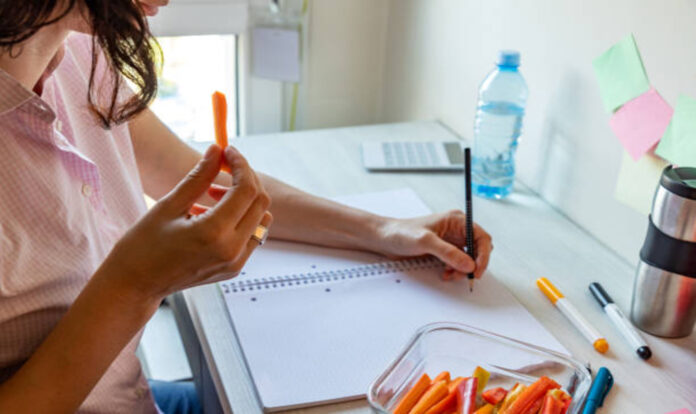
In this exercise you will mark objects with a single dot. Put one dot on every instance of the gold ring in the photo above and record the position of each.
(260, 234)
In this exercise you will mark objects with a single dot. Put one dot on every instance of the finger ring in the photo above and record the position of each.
(260, 234)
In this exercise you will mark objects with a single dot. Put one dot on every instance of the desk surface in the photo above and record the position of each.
(531, 239)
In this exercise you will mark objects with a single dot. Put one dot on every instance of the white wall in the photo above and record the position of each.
(438, 51)
(345, 62)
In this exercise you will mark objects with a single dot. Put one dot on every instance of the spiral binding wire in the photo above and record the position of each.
(370, 270)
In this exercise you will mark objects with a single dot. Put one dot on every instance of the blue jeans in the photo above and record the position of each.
(176, 397)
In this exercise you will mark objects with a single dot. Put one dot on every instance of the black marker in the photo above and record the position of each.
(620, 321)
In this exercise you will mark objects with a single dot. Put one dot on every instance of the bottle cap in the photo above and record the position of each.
(510, 58)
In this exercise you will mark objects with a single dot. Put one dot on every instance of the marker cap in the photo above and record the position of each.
(601, 345)
(600, 294)
(549, 289)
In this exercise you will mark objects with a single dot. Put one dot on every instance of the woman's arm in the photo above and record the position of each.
(164, 252)
(163, 159)
(81, 347)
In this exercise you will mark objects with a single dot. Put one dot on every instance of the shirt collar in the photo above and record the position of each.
(13, 94)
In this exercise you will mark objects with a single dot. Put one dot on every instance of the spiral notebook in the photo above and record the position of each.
(318, 325)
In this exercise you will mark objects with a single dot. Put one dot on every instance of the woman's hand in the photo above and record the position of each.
(441, 235)
(169, 249)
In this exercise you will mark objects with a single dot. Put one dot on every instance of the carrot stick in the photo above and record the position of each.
(531, 395)
(413, 395)
(455, 382)
(220, 122)
(443, 376)
(447, 404)
(431, 397)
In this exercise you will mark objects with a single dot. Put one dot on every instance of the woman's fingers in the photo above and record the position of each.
(484, 246)
(447, 253)
(184, 195)
(235, 202)
(232, 269)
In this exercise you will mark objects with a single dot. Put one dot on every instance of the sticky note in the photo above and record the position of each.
(678, 145)
(682, 411)
(620, 74)
(641, 122)
(638, 181)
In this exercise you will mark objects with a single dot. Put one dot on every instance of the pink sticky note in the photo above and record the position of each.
(641, 122)
(682, 411)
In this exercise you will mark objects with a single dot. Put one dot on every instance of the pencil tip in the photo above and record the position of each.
(471, 285)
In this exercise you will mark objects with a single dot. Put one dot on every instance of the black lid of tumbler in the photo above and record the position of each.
(680, 181)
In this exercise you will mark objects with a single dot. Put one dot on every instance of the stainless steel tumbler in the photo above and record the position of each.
(664, 290)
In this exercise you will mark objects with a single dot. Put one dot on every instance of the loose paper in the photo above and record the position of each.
(276, 53)
(678, 145)
(641, 122)
(638, 181)
(620, 74)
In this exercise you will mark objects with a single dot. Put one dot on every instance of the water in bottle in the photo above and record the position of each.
(502, 97)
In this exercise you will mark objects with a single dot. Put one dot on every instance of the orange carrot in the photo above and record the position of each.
(431, 397)
(531, 395)
(446, 405)
(413, 395)
(443, 376)
(455, 382)
(511, 396)
(220, 122)
(486, 409)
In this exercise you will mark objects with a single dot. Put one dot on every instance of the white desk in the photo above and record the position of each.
(531, 240)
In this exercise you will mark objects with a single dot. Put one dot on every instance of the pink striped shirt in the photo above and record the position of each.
(68, 190)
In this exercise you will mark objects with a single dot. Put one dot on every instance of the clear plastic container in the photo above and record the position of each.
(459, 348)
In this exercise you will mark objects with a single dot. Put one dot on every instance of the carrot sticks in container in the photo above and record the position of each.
(467, 395)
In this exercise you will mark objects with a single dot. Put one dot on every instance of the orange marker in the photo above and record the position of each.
(220, 119)
(573, 315)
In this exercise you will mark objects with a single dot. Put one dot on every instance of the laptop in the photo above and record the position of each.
(413, 156)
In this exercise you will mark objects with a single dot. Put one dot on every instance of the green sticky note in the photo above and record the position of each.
(620, 74)
(678, 144)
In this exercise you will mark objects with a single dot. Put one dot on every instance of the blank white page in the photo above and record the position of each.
(327, 340)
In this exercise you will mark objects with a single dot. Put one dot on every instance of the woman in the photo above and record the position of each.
(83, 266)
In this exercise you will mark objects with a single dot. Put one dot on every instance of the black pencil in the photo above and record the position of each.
(469, 214)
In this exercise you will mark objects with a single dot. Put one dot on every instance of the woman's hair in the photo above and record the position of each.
(119, 27)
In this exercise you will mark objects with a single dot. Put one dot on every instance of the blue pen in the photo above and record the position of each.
(600, 388)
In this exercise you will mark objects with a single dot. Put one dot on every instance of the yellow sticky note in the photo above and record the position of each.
(638, 181)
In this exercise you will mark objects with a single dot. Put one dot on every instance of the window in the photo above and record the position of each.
(195, 67)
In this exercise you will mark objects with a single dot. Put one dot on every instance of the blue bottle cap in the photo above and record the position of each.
(510, 58)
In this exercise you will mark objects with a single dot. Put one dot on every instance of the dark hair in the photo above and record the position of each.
(119, 27)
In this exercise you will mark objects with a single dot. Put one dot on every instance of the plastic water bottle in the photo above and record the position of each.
(502, 97)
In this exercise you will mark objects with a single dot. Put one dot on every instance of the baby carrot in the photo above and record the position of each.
(455, 382)
(413, 395)
(443, 376)
(433, 396)
(446, 405)
(220, 122)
